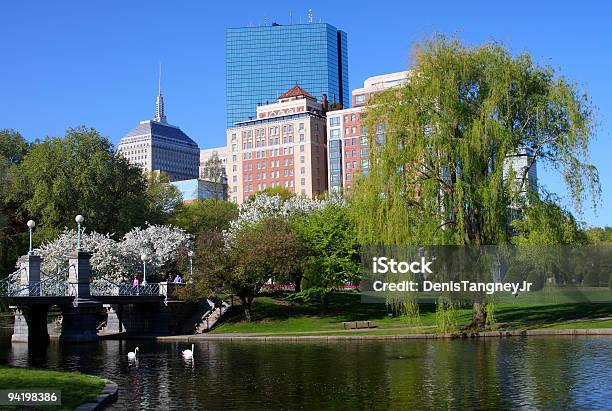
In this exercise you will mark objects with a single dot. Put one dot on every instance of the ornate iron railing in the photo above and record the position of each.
(52, 286)
(10, 282)
(105, 287)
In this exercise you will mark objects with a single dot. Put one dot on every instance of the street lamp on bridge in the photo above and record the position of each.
(79, 219)
(144, 257)
(31, 224)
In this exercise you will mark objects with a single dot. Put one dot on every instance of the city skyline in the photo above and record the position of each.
(65, 70)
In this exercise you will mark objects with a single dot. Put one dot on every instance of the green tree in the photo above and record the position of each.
(599, 234)
(205, 215)
(334, 252)
(439, 144)
(544, 222)
(214, 170)
(163, 198)
(78, 174)
(13, 147)
(260, 252)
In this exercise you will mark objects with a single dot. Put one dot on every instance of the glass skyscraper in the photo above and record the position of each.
(264, 62)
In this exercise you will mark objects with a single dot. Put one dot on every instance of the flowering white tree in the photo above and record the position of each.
(106, 258)
(160, 242)
(118, 260)
(264, 206)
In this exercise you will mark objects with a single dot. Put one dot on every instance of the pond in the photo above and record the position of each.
(509, 373)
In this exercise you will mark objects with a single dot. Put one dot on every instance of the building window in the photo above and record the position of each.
(303, 181)
(301, 126)
(301, 148)
(353, 117)
(360, 99)
(302, 159)
(334, 121)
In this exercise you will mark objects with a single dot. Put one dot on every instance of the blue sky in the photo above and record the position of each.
(68, 63)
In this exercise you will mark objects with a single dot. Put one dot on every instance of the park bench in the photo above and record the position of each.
(351, 325)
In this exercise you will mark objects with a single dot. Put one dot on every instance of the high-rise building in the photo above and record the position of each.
(348, 146)
(263, 62)
(346, 133)
(155, 145)
(284, 146)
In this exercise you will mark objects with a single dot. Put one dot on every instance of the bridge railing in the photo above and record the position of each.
(103, 287)
(11, 282)
(54, 285)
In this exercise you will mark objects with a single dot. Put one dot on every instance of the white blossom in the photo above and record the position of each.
(265, 205)
(117, 260)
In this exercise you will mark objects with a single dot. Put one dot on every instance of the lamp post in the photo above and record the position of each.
(31, 225)
(144, 257)
(79, 219)
(190, 254)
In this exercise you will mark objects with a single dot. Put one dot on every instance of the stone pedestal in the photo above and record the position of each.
(29, 269)
(30, 324)
(113, 319)
(80, 322)
(79, 274)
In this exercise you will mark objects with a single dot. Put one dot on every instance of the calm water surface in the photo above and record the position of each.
(518, 373)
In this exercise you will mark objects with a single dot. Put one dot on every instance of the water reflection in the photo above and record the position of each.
(549, 373)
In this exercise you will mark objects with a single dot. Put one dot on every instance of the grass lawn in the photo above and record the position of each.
(75, 388)
(272, 313)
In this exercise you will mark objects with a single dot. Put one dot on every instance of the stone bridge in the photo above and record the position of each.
(149, 309)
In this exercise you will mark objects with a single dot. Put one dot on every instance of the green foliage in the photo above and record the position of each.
(491, 324)
(78, 174)
(599, 235)
(536, 278)
(546, 223)
(334, 251)
(201, 216)
(162, 198)
(259, 252)
(439, 143)
(13, 147)
(446, 316)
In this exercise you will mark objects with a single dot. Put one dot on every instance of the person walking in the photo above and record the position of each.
(135, 284)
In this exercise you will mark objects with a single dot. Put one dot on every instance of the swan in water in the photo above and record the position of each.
(188, 354)
(132, 355)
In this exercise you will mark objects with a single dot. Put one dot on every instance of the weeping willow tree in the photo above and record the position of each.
(440, 144)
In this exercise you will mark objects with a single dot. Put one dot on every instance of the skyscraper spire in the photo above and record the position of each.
(160, 114)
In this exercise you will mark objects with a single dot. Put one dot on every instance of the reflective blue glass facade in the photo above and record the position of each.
(264, 62)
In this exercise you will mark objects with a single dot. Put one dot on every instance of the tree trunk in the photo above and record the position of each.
(246, 306)
(479, 316)
(323, 302)
(298, 286)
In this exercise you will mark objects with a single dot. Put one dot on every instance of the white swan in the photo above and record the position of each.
(188, 354)
(132, 355)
